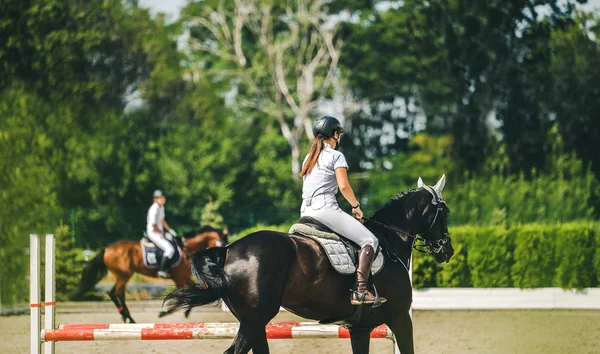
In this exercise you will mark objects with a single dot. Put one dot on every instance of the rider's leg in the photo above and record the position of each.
(362, 295)
(168, 252)
(163, 269)
(338, 221)
(332, 216)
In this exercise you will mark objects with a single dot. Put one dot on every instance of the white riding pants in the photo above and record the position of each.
(326, 210)
(159, 240)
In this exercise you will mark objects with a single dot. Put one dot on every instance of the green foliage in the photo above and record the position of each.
(425, 270)
(596, 264)
(69, 263)
(575, 247)
(534, 262)
(524, 256)
(210, 216)
(66, 50)
(574, 99)
(428, 158)
(27, 193)
(457, 272)
(258, 227)
(566, 193)
(490, 257)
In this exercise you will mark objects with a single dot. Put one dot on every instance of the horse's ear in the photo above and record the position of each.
(440, 185)
(420, 183)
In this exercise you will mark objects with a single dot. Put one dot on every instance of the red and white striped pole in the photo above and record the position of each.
(150, 331)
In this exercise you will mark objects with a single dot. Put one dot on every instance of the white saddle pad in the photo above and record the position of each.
(336, 250)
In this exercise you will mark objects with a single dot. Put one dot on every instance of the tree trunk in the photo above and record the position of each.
(295, 159)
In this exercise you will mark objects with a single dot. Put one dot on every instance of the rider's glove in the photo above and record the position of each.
(172, 232)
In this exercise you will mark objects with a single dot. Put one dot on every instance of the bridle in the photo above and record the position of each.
(419, 243)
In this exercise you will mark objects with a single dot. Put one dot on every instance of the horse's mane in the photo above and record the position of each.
(201, 230)
(406, 202)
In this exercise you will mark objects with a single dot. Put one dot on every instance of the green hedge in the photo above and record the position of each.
(525, 256)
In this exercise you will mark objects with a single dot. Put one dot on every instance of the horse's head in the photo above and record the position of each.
(201, 239)
(432, 212)
(224, 235)
(421, 212)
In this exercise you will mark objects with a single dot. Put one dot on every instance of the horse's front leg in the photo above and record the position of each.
(403, 331)
(360, 339)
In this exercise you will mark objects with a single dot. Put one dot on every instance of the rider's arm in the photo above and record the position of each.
(166, 226)
(341, 175)
(155, 228)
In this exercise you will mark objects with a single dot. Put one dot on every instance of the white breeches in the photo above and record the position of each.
(162, 243)
(325, 209)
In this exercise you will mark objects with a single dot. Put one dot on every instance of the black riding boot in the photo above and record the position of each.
(362, 295)
(163, 271)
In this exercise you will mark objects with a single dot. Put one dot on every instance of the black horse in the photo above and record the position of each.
(265, 270)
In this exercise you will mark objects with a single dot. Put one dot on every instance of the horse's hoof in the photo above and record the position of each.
(187, 313)
(163, 314)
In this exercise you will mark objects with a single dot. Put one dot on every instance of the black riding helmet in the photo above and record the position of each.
(327, 126)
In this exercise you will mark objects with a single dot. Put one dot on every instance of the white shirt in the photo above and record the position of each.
(156, 215)
(321, 179)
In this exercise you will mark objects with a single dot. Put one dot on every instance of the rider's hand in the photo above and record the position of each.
(172, 232)
(358, 214)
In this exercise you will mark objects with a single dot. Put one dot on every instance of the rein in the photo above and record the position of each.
(424, 246)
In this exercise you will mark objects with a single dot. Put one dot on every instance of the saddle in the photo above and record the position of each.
(152, 254)
(342, 253)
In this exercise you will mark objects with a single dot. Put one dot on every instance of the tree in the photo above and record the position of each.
(574, 97)
(29, 178)
(279, 57)
(463, 68)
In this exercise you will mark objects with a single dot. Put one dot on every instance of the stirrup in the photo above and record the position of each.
(360, 298)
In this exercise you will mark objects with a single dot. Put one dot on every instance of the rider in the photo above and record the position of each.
(155, 227)
(324, 170)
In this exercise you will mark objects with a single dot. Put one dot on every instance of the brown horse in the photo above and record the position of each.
(125, 258)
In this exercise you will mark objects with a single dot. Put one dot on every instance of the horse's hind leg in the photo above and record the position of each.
(254, 312)
(403, 331)
(360, 340)
(117, 295)
(249, 336)
(115, 299)
(255, 286)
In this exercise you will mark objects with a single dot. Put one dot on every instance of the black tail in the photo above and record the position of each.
(207, 267)
(93, 272)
